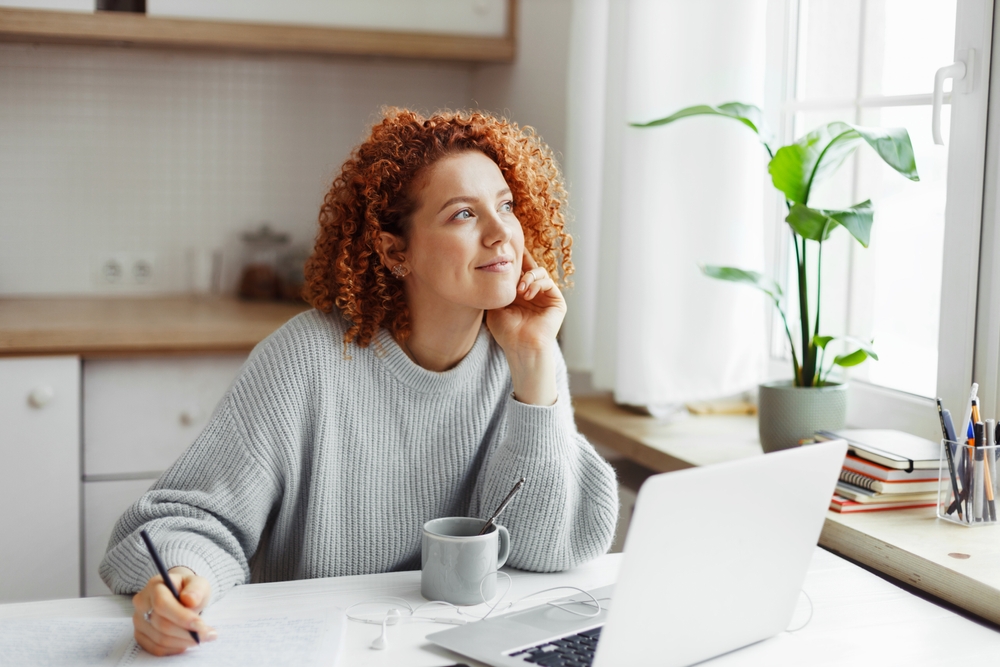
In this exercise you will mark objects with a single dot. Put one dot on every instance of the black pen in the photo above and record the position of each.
(163, 573)
(947, 429)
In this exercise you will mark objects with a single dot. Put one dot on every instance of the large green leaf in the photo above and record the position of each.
(860, 343)
(821, 341)
(747, 114)
(796, 168)
(816, 224)
(758, 280)
(852, 359)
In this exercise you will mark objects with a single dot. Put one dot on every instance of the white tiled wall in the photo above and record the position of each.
(106, 150)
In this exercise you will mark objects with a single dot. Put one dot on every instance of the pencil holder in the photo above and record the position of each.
(969, 483)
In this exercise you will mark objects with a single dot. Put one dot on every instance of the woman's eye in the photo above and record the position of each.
(464, 214)
(507, 207)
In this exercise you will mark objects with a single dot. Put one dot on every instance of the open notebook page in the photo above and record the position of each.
(63, 642)
(244, 642)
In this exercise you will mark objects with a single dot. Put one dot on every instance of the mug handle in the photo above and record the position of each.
(504, 545)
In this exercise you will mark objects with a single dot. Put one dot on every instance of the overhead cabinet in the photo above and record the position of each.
(461, 30)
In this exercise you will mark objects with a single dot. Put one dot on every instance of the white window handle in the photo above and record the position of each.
(961, 74)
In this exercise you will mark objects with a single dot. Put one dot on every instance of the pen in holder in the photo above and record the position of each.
(969, 481)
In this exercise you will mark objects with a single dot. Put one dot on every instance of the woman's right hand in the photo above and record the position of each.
(165, 630)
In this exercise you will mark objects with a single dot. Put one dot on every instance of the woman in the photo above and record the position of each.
(396, 400)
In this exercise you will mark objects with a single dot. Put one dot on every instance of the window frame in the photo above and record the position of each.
(970, 290)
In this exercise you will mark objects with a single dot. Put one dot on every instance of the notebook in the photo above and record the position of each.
(846, 506)
(892, 449)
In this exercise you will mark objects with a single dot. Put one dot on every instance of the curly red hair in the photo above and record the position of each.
(374, 193)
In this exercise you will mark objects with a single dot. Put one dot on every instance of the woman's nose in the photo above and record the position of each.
(498, 232)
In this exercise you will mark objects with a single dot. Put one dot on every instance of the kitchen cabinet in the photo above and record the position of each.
(39, 478)
(97, 398)
(104, 503)
(369, 31)
(139, 415)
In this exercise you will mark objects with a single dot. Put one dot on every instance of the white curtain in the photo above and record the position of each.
(651, 205)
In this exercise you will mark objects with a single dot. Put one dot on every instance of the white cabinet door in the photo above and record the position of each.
(39, 478)
(104, 503)
(141, 414)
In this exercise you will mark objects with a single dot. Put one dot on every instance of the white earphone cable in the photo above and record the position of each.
(393, 615)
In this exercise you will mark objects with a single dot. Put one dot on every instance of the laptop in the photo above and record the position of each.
(714, 560)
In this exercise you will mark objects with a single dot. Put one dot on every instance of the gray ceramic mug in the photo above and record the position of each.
(457, 564)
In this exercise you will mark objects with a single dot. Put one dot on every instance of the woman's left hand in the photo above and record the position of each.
(526, 330)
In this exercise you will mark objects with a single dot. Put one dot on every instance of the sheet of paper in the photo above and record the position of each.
(63, 642)
(245, 642)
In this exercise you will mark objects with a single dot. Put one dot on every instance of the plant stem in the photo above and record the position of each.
(819, 282)
(819, 368)
(806, 375)
(788, 333)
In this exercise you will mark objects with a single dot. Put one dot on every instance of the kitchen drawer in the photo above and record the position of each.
(39, 478)
(139, 415)
(103, 504)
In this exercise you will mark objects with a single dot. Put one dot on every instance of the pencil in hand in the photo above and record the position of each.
(163, 573)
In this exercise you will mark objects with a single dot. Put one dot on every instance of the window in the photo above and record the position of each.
(872, 62)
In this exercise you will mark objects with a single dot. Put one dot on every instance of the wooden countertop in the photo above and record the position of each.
(102, 327)
(955, 563)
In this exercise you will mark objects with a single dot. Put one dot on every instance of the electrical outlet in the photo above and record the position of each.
(129, 271)
(142, 270)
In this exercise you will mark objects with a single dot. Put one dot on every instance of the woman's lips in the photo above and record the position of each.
(499, 265)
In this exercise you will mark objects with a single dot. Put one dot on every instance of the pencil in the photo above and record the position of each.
(163, 573)
(990, 467)
(947, 428)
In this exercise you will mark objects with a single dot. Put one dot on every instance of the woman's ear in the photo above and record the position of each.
(391, 249)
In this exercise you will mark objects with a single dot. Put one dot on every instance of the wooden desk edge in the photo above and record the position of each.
(942, 582)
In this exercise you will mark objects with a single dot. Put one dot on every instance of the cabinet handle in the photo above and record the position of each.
(190, 415)
(41, 396)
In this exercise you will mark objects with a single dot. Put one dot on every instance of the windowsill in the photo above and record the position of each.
(911, 546)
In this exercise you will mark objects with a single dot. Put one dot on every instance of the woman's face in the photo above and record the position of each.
(464, 244)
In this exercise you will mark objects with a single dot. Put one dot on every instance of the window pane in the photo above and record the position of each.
(896, 286)
(829, 33)
(905, 42)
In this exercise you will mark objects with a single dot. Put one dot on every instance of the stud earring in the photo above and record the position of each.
(400, 271)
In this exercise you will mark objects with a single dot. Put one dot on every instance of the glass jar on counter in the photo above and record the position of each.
(260, 280)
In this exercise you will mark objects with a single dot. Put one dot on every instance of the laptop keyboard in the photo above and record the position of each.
(572, 651)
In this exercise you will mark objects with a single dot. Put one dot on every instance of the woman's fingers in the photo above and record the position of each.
(534, 281)
(155, 642)
(168, 609)
(195, 591)
(162, 624)
(539, 286)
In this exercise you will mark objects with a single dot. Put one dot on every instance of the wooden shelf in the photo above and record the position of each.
(117, 327)
(124, 29)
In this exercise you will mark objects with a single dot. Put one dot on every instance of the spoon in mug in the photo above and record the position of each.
(503, 505)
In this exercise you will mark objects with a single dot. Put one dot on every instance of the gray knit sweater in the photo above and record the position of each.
(317, 465)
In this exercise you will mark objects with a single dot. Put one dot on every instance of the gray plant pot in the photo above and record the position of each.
(789, 413)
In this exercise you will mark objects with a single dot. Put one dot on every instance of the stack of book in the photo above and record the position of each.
(885, 470)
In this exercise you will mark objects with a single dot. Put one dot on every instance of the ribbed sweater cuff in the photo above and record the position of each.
(537, 431)
(215, 570)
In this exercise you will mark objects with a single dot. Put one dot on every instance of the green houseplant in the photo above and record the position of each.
(795, 171)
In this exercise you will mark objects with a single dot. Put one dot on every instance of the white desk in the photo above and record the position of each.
(858, 618)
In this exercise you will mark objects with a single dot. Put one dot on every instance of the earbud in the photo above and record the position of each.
(382, 641)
